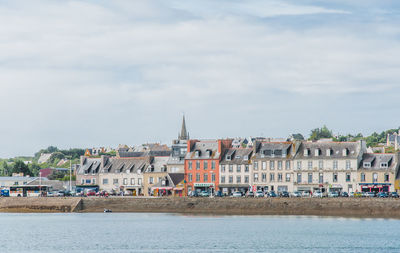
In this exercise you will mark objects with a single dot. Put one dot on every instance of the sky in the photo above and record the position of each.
(102, 73)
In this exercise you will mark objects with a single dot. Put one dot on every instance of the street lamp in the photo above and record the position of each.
(70, 172)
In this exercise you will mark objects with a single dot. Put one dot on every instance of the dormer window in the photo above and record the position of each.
(306, 152)
(367, 165)
(237, 157)
(209, 152)
(268, 152)
(317, 152)
(345, 152)
(197, 153)
(328, 152)
(278, 152)
(228, 157)
(384, 165)
(245, 158)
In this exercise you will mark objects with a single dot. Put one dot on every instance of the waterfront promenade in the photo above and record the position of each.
(346, 207)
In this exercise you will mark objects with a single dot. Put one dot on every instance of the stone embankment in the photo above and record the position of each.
(346, 207)
(39, 205)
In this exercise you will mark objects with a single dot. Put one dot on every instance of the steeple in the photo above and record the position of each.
(184, 135)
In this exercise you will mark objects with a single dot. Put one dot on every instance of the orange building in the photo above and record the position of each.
(202, 164)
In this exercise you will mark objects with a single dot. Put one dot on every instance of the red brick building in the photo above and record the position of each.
(202, 164)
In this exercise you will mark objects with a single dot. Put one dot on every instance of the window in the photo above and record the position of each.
(246, 179)
(298, 178)
(246, 168)
(309, 178)
(190, 177)
(348, 164)
(367, 165)
(271, 165)
(132, 181)
(151, 180)
(139, 181)
(279, 165)
(271, 177)
(230, 168)
(280, 177)
(197, 177)
(105, 180)
(238, 179)
(213, 177)
(190, 165)
(82, 181)
(384, 165)
(205, 165)
(348, 177)
(386, 177)
(374, 177)
(213, 165)
(197, 165)
(230, 179)
(93, 180)
(255, 165)
(321, 178)
(238, 168)
(264, 165)
(264, 177)
(255, 177)
(287, 177)
(222, 168)
(320, 164)
(288, 165)
(125, 182)
(335, 165)
(88, 181)
(205, 176)
(299, 165)
(362, 177)
(335, 177)
(309, 165)
(115, 181)
(222, 179)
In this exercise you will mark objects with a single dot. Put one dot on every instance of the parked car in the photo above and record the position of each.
(60, 194)
(358, 194)
(382, 195)
(68, 194)
(272, 194)
(102, 193)
(259, 194)
(204, 194)
(250, 194)
(5, 193)
(305, 194)
(296, 194)
(333, 194)
(193, 194)
(370, 194)
(317, 194)
(218, 194)
(50, 194)
(393, 195)
(236, 194)
(284, 194)
(91, 193)
(351, 194)
(344, 194)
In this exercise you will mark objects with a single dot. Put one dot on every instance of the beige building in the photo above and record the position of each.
(154, 173)
(327, 166)
(273, 166)
(88, 172)
(377, 172)
(235, 170)
(123, 175)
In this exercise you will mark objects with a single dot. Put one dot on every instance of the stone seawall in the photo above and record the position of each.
(39, 205)
(349, 207)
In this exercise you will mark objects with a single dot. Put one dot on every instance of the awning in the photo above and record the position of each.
(203, 184)
(178, 189)
(234, 185)
(161, 188)
(375, 184)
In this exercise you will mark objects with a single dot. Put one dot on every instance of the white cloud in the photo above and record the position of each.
(89, 68)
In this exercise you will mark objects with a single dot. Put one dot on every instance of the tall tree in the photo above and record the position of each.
(20, 167)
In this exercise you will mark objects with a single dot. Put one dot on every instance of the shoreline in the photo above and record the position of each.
(324, 207)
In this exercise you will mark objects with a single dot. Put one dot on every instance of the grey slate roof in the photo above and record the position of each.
(90, 165)
(123, 165)
(278, 149)
(377, 159)
(353, 150)
(203, 146)
(237, 156)
(145, 153)
(158, 164)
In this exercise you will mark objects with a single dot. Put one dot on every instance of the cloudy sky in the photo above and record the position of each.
(100, 73)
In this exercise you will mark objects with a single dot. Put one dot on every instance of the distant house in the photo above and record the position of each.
(49, 171)
(44, 158)
(393, 140)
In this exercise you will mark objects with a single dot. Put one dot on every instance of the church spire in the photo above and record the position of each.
(184, 135)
